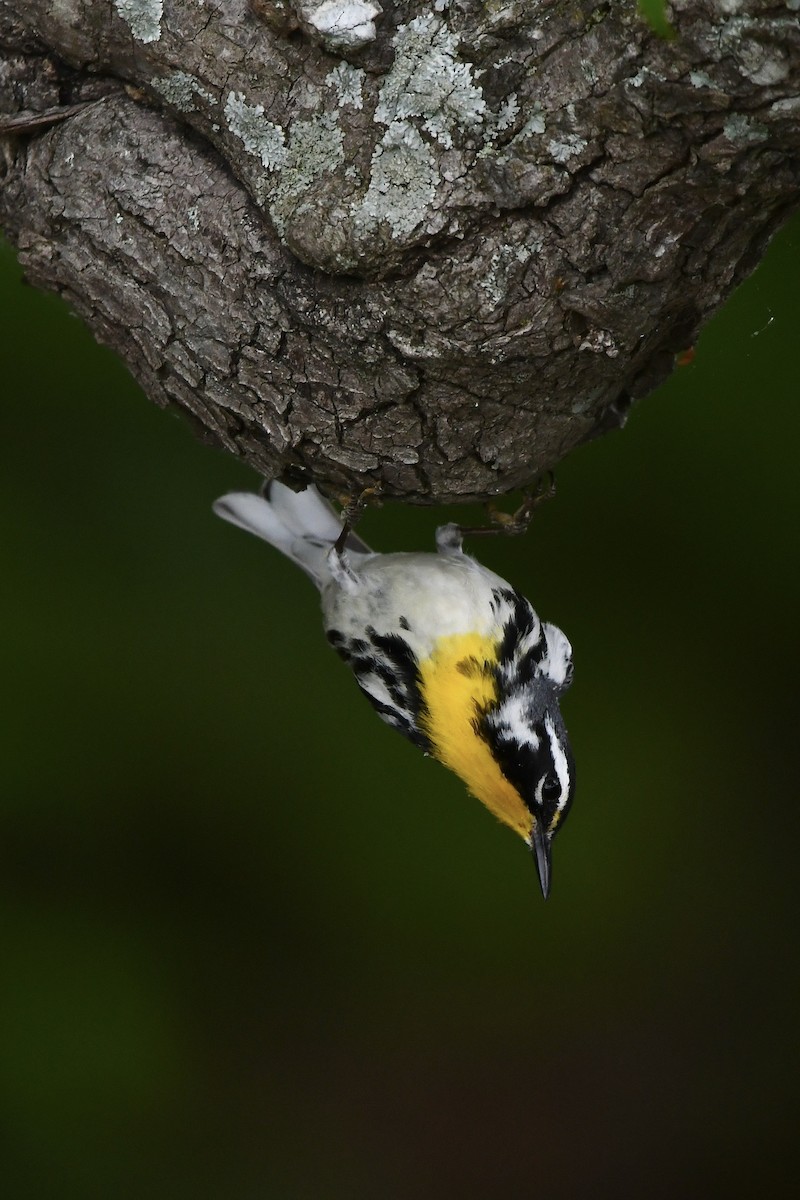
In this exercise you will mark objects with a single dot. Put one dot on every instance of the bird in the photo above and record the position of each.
(447, 652)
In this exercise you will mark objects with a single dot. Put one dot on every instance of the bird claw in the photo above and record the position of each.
(544, 488)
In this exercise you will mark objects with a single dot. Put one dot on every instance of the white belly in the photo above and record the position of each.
(433, 594)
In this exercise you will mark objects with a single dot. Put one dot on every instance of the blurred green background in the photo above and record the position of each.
(252, 944)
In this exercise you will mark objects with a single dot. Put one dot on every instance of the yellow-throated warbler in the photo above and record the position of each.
(446, 651)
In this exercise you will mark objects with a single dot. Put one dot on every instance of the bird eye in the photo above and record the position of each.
(551, 788)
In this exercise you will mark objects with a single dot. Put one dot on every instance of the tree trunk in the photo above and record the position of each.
(428, 248)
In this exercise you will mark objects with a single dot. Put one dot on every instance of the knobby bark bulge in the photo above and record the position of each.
(428, 247)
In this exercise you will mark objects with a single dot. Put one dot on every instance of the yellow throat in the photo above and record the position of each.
(458, 684)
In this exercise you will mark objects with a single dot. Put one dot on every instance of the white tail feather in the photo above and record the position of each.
(305, 514)
(301, 525)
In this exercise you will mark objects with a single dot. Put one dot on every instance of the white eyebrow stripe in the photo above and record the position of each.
(560, 762)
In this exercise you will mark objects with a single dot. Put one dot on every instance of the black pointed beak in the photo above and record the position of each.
(540, 844)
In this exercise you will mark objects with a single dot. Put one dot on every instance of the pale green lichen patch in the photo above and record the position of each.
(494, 282)
(260, 137)
(143, 17)
(764, 63)
(497, 123)
(314, 152)
(507, 113)
(642, 76)
(428, 80)
(430, 84)
(403, 179)
(744, 130)
(181, 90)
(564, 148)
(534, 127)
(349, 84)
(535, 124)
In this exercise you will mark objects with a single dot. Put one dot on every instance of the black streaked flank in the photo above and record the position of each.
(399, 721)
(364, 665)
(387, 658)
(404, 664)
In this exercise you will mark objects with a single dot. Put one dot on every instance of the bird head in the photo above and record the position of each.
(529, 742)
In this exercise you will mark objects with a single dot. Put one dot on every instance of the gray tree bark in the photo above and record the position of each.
(428, 247)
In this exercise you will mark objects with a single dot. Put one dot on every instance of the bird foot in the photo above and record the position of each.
(544, 488)
(352, 511)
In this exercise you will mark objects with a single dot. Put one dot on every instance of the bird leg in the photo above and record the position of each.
(352, 511)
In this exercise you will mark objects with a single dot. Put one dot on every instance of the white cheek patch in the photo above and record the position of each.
(560, 762)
